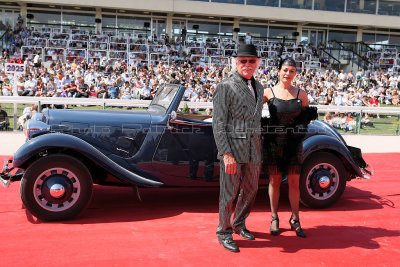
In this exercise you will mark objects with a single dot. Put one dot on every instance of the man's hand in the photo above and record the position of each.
(230, 163)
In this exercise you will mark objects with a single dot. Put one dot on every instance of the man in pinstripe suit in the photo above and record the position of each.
(238, 102)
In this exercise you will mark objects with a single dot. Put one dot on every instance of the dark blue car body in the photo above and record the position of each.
(152, 148)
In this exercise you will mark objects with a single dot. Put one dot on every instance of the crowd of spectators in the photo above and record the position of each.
(141, 81)
(119, 78)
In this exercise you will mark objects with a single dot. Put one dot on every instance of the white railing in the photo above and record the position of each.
(96, 45)
(158, 57)
(270, 63)
(218, 61)
(158, 48)
(36, 42)
(195, 50)
(34, 50)
(89, 47)
(60, 36)
(58, 43)
(114, 54)
(198, 58)
(51, 53)
(210, 50)
(312, 65)
(79, 44)
(138, 57)
(80, 37)
(77, 54)
(99, 38)
(230, 50)
(145, 103)
(97, 55)
(199, 105)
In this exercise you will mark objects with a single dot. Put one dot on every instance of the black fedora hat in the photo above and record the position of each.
(247, 50)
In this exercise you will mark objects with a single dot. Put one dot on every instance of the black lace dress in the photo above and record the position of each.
(283, 133)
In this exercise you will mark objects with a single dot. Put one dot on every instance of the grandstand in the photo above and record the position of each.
(343, 34)
(347, 51)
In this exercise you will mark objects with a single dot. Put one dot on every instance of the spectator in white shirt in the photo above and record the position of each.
(189, 94)
(145, 93)
(29, 87)
(338, 98)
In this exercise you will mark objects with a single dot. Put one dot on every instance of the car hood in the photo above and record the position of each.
(92, 118)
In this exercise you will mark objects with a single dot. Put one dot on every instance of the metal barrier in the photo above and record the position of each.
(195, 50)
(138, 57)
(58, 43)
(60, 36)
(158, 48)
(359, 111)
(54, 53)
(114, 54)
(218, 61)
(96, 45)
(30, 51)
(80, 37)
(96, 55)
(199, 58)
(145, 103)
(312, 65)
(99, 38)
(270, 63)
(211, 50)
(138, 48)
(158, 57)
(40, 42)
(77, 44)
(77, 54)
(230, 51)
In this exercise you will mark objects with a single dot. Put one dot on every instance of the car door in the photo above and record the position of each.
(187, 150)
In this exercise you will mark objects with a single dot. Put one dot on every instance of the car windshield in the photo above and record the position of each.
(165, 95)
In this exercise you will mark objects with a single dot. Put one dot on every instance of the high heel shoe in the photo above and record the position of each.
(274, 232)
(295, 225)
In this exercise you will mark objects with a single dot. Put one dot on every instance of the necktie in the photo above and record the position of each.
(251, 88)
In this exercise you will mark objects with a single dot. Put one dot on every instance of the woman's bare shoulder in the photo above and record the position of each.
(267, 94)
(303, 96)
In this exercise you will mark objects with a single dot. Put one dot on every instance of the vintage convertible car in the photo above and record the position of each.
(67, 151)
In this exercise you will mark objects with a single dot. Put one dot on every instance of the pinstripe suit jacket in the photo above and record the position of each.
(236, 119)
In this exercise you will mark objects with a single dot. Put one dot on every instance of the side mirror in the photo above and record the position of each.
(173, 115)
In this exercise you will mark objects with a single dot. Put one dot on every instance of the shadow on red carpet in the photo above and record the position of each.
(177, 226)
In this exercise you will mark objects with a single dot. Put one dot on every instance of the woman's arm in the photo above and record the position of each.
(304, 99)
(267, 95)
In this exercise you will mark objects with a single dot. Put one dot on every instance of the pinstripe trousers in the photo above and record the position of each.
(237, 194)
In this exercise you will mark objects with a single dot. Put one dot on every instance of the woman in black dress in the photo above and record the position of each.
(284, 130)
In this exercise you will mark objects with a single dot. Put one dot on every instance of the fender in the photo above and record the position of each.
(60, 140)
(325, 142)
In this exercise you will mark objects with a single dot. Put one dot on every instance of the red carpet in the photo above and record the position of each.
(176, 227)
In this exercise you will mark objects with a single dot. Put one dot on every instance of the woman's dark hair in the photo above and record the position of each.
(287, 62)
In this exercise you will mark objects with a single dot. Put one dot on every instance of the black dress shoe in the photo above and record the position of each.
(228, 243)
(244, 233)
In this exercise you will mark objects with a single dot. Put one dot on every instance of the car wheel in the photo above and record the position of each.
(56, 187)
(322, 180)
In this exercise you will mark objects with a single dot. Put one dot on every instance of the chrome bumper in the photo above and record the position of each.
(366, 172)
(6, 178)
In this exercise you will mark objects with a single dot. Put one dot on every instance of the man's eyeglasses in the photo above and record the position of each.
(244, 61)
